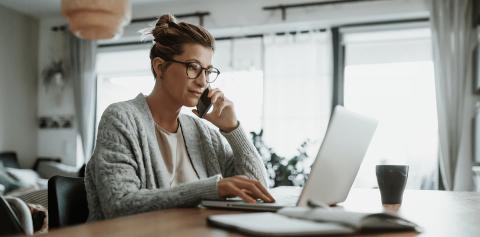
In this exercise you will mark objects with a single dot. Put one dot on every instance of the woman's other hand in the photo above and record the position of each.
(223, 113)
(247, 189)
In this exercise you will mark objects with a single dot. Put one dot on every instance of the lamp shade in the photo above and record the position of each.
(96, 19)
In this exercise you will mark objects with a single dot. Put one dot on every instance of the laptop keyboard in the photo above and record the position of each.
(285, 195)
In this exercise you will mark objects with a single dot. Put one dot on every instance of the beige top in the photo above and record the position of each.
(175, 156)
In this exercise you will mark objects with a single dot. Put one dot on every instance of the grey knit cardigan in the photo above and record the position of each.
(126, 174)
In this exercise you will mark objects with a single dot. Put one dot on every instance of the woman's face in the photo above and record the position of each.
(174, 80)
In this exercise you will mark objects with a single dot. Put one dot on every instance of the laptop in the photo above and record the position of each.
(333, 172)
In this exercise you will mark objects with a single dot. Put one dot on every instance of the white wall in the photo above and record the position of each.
(228, 17)
(60, 143)
(18, 85)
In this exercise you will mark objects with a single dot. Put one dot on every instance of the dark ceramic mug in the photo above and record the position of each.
(391, 182)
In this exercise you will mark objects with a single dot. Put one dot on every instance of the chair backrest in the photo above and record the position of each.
(9, 224)
(67, 201)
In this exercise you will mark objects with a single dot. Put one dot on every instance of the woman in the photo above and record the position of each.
(148, 156)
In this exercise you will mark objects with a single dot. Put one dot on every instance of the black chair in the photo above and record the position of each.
(9, 225)
(81, 171)
(67, 201)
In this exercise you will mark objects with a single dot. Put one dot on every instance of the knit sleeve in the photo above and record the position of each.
(242, 157)
(118, 174)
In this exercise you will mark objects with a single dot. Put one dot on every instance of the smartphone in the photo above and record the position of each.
(204, 103)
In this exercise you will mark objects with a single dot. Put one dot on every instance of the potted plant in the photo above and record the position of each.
(282, 171)
(54, 76)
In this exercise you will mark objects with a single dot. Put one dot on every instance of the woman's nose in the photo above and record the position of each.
(202, 79)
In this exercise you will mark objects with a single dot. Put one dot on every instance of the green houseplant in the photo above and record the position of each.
(282, 171)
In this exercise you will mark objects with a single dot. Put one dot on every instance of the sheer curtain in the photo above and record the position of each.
(453, 43)
(297, 90)
(81, 55)
(241, 78)
(389, 76)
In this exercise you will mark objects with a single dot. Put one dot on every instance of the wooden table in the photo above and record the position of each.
(440, 213)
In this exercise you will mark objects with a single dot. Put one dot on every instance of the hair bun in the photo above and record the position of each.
(170, 36)
(164, 21)
(161, 28)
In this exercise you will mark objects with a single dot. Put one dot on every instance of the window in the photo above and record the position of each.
(281, 84)
(298, 91)
(241, 78)
(389, 76)
(122, 75)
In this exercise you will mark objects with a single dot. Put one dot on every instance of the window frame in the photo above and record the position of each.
(339, 49)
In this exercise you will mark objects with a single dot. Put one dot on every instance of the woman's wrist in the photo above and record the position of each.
(230, 129)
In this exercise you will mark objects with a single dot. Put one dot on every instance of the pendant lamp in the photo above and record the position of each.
(96, 19)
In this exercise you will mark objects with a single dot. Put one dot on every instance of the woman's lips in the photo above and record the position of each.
(197, 93)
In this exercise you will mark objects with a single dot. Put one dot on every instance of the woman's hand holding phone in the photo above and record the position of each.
(223, 114)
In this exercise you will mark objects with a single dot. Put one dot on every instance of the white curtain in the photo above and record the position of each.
(297, 90)
(241, 78)
(81, 57)
(454, 40)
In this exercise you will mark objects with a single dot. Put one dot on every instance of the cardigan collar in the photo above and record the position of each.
(189, 130)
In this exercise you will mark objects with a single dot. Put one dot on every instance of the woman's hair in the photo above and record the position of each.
(170, 37)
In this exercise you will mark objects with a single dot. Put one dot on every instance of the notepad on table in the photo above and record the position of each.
(307, 221)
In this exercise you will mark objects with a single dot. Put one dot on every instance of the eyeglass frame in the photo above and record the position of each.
(186, 64)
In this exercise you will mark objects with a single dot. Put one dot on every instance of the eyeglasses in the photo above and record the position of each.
(194, 69)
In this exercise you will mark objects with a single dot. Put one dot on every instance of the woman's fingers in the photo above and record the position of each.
(264, 190)
(217, 97)
(247, 189)
(219, 103)
(258, 184)
(218, 108)
(222, 114)
(242, 194)
(252, 187)
(212, 91)
(226, 103)
(228, 188)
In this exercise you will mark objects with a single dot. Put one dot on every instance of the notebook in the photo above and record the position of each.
(293, 221)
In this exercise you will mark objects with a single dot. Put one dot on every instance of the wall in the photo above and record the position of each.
(59, 143)
(18, 85)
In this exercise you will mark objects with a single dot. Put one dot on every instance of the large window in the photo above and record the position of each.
(389, 76)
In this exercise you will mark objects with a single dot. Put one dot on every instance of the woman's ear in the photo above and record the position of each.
(157, 64)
